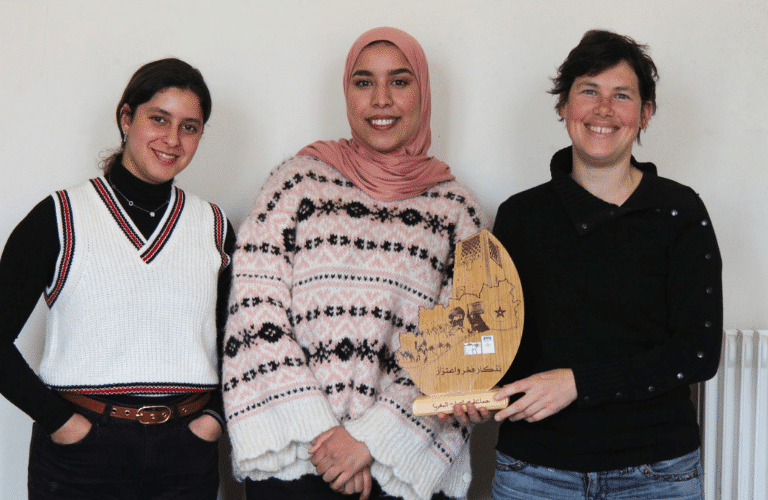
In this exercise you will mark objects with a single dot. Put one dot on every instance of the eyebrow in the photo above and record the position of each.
(594, 85)
(166, 113)
(394, 72)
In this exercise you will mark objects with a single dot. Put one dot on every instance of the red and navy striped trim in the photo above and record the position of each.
(67, 247)
(220, 233)
(136, 389)
(112, 205)
(134, 237)
(170, 224)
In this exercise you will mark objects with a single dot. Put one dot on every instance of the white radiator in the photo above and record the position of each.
(734, 420)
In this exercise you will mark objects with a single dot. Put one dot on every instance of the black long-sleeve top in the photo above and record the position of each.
(630, 298)
(27, 267)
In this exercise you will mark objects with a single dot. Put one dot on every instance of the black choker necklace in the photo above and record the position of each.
(132, 204)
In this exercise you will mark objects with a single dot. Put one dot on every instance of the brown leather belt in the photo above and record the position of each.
(148, 415)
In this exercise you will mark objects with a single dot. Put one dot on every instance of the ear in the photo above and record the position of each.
(126, 118)
(645, 114)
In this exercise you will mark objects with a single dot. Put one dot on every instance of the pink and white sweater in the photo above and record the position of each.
(326, 279)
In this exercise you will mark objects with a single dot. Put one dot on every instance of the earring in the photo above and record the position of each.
(125, 138)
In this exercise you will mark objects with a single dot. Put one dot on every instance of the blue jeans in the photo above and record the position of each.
(123, 459)
(679, 479)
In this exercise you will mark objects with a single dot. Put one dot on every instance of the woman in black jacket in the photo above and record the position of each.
(621, 275)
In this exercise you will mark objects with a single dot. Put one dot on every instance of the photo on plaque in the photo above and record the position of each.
(461, 351)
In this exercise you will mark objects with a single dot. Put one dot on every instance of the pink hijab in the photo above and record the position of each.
(401, 174)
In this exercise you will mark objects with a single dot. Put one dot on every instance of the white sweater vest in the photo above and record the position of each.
(129, 315)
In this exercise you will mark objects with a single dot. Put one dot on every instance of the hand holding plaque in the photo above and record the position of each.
(461, 351)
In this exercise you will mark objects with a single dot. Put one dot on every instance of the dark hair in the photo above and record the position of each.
(598, 51)
(152, 78)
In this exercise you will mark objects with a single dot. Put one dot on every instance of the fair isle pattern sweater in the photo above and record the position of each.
(130, 315)
(326, 278)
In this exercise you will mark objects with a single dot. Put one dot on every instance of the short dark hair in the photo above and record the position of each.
(598, 51)
(155, 77)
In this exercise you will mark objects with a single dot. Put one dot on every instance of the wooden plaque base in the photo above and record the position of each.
(443, 403)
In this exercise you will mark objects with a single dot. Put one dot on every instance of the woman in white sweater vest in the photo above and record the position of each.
(135, 275)
(343, 245)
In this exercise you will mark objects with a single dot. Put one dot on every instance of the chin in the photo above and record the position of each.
(379, 148)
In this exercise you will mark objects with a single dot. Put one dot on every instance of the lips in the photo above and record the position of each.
(165, 157)
(382, 122)
(600, 130)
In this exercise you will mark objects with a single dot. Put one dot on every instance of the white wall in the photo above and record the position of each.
(274, 69)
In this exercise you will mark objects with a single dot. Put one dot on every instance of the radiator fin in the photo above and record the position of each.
(734, 414)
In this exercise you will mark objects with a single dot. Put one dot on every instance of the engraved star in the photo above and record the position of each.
(500, 312)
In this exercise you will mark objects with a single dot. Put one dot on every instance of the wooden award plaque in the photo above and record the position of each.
(460, 352)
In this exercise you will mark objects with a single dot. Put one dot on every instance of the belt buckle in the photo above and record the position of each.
(151, 415)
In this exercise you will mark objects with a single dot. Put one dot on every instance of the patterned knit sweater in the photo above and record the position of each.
(326, 278)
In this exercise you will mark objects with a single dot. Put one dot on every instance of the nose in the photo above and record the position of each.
(604, 106)
(172, 138)
(381, 96)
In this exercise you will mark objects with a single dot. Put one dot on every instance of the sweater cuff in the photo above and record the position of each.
(215, 407)
(275, 439)
(598, 382)
(216, 416)
(409, 460)
(58, 415)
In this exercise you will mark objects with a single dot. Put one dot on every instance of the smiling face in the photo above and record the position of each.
(383, 98)
(603, 115)
(162, 134)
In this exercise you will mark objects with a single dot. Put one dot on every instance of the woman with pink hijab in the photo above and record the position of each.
(343, 245)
